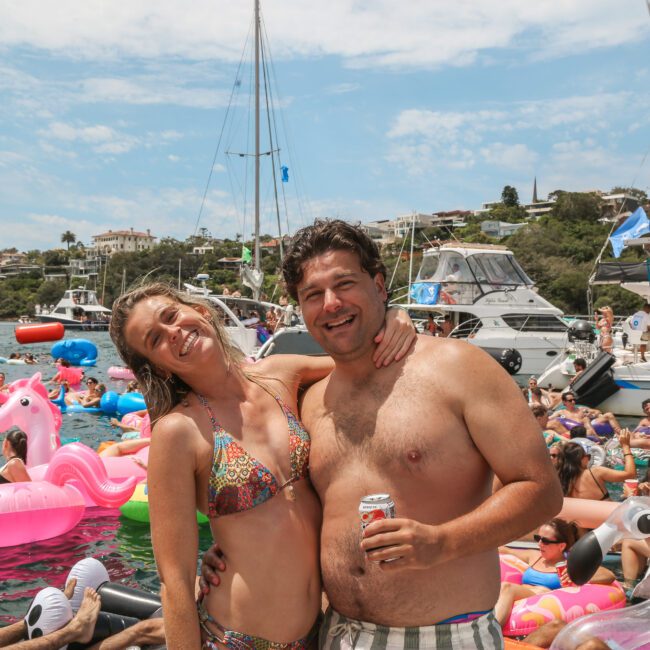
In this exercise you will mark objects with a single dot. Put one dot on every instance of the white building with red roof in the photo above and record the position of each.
(123, 241)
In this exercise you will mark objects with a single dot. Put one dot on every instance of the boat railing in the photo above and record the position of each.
(466, 329)
(520, 323)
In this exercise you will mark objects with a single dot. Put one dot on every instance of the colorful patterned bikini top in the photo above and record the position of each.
(239, 482)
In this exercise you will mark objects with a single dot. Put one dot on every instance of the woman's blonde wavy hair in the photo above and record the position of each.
(161, 393)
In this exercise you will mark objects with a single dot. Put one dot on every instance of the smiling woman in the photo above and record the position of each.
(162, 391)
(227, 441)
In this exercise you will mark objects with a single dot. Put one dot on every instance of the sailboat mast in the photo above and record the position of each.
(257, 135)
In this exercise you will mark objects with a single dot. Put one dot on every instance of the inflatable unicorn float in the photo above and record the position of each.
(64, 479)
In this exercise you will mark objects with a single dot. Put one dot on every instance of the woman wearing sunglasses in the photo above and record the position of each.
(554, 538)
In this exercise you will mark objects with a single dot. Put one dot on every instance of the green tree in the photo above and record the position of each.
(509, 196)
(577, 206)
(639, 195)
(68, 238)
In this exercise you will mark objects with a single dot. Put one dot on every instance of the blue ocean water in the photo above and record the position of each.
(124, 546)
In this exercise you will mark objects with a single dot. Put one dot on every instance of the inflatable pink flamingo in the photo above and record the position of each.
(27, 407)
(37, 510)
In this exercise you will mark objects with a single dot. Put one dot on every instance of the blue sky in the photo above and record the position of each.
(110, 112)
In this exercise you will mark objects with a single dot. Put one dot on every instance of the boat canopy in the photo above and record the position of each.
(481, 268)
(619, 272)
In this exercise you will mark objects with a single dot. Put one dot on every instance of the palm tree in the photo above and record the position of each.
(68, 238)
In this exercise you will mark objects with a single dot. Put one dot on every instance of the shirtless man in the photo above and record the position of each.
(423, 431)
(585, 415)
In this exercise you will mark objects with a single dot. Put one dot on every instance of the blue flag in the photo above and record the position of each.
(635, 225)
(425, 293)
(285, 174)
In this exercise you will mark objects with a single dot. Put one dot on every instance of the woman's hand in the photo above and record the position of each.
(395, 338)
(624, 438)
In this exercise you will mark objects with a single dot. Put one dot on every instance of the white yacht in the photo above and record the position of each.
(618, 382)
(240, 317)
(78, 309)
(491, 302)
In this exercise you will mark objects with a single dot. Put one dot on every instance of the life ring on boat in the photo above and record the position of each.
(121, 372)
(566, 604)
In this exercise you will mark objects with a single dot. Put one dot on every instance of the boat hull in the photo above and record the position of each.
(97, 326)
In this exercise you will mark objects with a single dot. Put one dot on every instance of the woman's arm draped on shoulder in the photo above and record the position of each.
(395, 338)
(509, 439)
(296, 369)
(172, 502)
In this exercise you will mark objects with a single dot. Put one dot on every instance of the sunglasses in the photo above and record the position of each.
(554, 455)
(546, 540)
(569, 400)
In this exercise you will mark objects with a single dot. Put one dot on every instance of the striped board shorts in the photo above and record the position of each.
(340, 633)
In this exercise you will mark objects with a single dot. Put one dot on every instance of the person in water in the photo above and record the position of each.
(583, 482)
(555, 538)
(571, 414)
(14, 449)
(227, 440)
(422, 431)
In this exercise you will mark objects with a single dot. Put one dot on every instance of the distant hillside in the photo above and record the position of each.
(557, 252)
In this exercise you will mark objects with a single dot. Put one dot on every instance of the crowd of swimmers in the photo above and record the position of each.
(566, 430)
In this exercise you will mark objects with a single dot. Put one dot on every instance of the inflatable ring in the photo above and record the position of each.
(137, 507)
(566, 604)
(79, 352)
(593, 449)
(120, 372)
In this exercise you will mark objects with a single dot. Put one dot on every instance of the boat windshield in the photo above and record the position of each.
(429, 267)
(452, 267)
(498, 270)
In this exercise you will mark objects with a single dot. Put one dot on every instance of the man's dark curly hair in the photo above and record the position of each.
(326, 235)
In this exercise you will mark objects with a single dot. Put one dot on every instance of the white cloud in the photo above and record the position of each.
(101, 138)
(342, 88)
(420, 140)
(515, 156)
(383, 33)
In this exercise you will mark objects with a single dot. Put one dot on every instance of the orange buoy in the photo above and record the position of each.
(39, 333)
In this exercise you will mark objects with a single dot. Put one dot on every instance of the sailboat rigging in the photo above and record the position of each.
(250, 270)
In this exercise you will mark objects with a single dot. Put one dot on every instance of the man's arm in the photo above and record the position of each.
(79, 629)
(143, 633)
(507, 435)
(12, 633)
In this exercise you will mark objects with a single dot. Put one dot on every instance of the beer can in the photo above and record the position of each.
(374, 507)
(563, 574)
